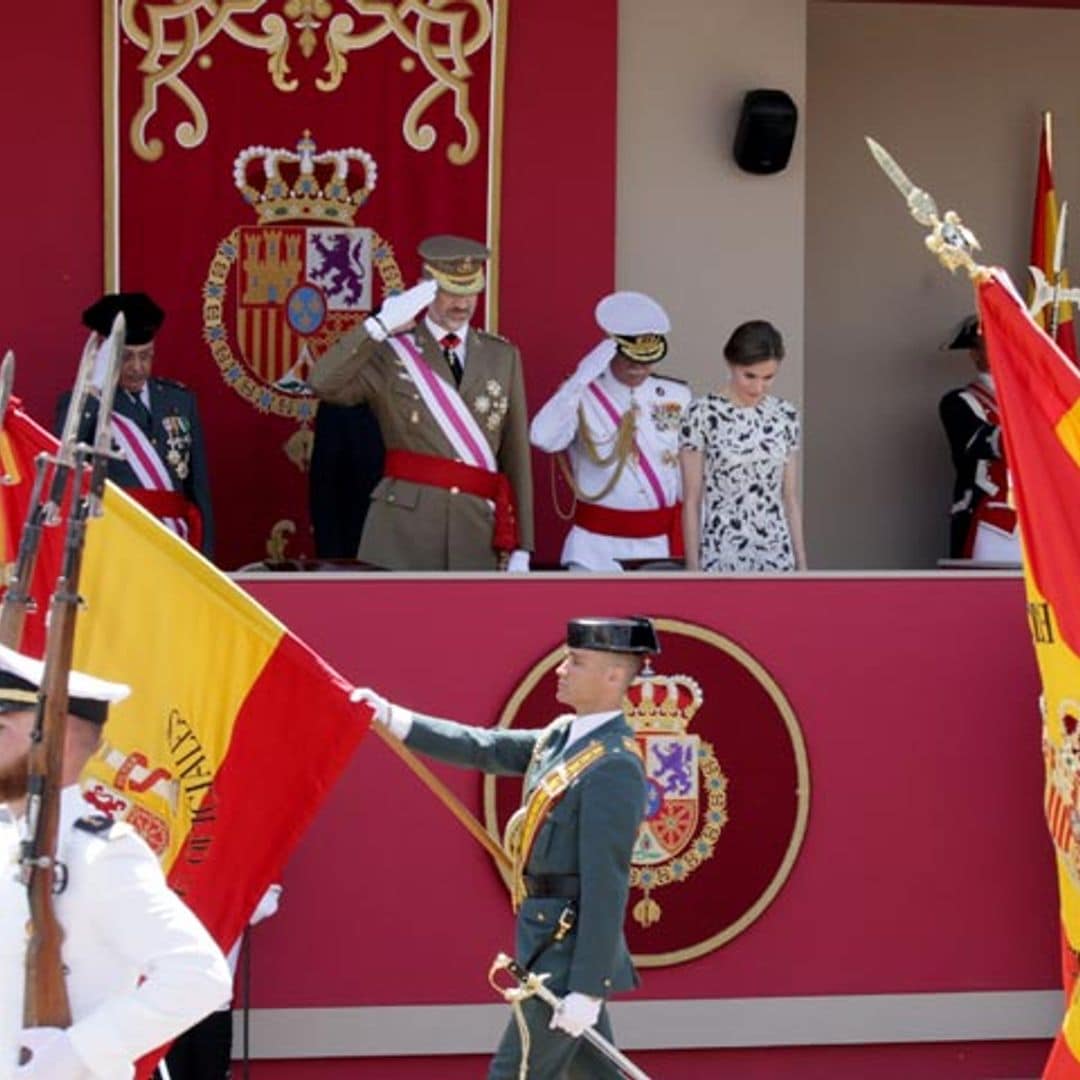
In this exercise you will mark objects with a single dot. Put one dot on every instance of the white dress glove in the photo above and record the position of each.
(518, 563)
(575, 1013)
(595, 362)
(52, 1056)
(400, 311)
(394, 718)
(267, 905)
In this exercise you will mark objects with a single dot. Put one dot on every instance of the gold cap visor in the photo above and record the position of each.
(642, 348)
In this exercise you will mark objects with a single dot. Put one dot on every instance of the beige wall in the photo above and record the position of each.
(955, 94)
(715, 245)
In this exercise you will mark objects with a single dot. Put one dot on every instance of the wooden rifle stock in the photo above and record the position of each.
(46, 1001)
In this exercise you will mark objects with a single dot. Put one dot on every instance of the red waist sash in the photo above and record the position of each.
(456, 476)
(634, 524)
(171, 504)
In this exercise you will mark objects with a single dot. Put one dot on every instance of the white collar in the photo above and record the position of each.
(439, 332)
(584, 725)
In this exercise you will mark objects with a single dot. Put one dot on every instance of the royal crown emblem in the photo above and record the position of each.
(279, 292)
(676, 835)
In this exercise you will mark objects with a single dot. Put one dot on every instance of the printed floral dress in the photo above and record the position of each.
(743, 525)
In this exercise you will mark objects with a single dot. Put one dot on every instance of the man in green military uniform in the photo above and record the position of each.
(155, 425)
(572, 841)
(450, 401)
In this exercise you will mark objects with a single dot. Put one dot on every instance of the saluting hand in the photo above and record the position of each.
(595, 362)
(400, 311)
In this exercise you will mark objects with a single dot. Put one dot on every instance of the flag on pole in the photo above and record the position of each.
(235, 730)
(1045, 252)
(1038, 390)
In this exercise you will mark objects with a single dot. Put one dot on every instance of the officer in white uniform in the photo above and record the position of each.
(139, 966)
(618, 423)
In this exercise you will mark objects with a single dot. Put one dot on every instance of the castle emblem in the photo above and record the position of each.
(1062, 793)
(686, 805)
(281, 290)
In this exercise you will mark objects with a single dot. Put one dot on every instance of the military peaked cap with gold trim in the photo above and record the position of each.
(20, 678)
(455, 263)
(637, 323)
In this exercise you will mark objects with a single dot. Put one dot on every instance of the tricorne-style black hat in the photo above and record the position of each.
(966, 335)
(88, 697)
(635, 634)
(143, 318)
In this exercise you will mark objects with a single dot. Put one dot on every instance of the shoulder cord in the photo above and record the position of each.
(621, 453)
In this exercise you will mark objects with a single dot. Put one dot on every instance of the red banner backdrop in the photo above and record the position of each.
(274, 166)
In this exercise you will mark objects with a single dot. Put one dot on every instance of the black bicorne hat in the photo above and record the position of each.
(625, 635)
(142, 317)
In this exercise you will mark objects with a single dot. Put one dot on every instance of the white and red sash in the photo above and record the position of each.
(647, 467)
(446, 406)
(151, 472)
(991, 474)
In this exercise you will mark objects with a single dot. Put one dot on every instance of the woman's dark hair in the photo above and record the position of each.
(753, 342)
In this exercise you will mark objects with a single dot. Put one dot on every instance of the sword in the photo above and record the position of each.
(7, 381)
(529, 984)
(950, 240)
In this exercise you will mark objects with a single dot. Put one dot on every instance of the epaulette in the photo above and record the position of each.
(95, 823)
(174, 383)
(671, 378)
(495, 337)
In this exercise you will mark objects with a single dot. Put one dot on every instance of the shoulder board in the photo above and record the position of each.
(671, 378)
(631, 746)
(494, 337)
(172, 384)
(95, 823)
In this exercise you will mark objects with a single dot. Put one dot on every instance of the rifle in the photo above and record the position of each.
(46, 1002)
(18, 599)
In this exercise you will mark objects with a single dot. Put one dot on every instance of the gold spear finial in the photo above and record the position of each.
(950, 240)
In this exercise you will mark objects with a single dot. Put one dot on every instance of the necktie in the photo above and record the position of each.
(449, 344)
(142, 413)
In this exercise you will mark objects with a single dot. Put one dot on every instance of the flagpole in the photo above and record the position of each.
(446, 797)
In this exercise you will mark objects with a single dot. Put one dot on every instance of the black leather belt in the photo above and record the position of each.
(563, 886)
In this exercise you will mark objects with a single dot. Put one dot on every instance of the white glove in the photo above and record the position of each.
(575, 1013)
(400, 311)
(595, 362)
(518, 563)
(394, 718)
(52, 1056)
(267, 905)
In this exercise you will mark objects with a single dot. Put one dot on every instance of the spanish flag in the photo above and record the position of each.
(1044, 237)
(1038, 389)
(235, 730)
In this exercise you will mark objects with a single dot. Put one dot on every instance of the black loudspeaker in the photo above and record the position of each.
(766, 131)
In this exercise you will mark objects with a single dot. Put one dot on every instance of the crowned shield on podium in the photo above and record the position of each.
(285, 287)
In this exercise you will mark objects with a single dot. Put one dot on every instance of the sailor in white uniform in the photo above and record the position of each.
(618, 423)
(139, 966)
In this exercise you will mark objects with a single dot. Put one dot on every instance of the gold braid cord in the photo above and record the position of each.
(622, 451)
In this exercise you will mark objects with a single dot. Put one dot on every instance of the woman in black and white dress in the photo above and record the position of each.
(738, 455)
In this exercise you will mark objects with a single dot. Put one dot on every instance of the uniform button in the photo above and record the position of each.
(455, 490)
(540, 917)
(389, 498)
(607, 982)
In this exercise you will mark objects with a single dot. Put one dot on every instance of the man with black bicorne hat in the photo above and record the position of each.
(983, 524)
(139, 966)
(456, 492)
(155, 425)
(618, 422)
(583, 800)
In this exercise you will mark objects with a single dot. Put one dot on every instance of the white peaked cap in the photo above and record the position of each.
(631, 313)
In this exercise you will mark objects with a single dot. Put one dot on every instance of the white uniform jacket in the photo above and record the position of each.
(122, 923)
(659, 402)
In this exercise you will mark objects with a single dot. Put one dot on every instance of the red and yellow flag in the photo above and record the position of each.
(235, 730)
(1044, 239)
(1038, 389)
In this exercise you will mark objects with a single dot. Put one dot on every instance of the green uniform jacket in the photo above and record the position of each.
(590, 832)
(418, 526)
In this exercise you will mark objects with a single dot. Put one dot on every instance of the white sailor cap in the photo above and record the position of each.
(637, 323)
(88, 697)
